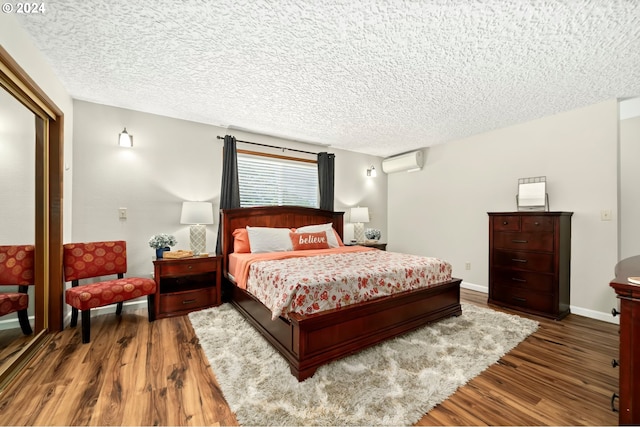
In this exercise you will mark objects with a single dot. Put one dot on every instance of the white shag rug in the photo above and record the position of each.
(393, 383)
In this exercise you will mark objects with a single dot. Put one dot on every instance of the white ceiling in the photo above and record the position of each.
(374, 76)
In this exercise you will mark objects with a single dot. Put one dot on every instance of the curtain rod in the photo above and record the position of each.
(271, 146)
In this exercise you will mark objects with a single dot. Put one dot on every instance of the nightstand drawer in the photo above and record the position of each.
(186, 267)
(187, 301)
(528, 241)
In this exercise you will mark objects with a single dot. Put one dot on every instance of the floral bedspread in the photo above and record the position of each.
(312, 284)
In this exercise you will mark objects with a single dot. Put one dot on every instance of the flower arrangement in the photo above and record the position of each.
(162, 240)
(372, 234)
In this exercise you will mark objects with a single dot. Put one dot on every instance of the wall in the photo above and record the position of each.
(442, 209)
(172, 161)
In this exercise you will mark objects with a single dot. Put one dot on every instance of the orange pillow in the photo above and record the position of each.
(305, 241)
(241, 241)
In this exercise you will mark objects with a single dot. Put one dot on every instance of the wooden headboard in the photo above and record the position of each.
(274, 216)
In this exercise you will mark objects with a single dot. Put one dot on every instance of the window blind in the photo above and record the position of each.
(275, 182)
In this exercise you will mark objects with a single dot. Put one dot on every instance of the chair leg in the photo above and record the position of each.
(151, 307)
(74, 317)
(86, 326)
(23, 318)
(119, 309)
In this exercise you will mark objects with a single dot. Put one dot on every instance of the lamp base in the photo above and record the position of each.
(198, 235)
(358, 232)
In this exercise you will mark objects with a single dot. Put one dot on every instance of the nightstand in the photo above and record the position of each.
(377, 245)
(187, 284)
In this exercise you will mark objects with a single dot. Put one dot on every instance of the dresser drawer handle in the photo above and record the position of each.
(518, 260)
(614, 363)
(516, 279)
(614, 396)
(188, 301)
(505, 222)
(520, 299)
(190, 267)
(536, 223)
(520, 241)
(614, 312)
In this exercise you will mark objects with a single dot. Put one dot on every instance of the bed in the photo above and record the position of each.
(308, 341)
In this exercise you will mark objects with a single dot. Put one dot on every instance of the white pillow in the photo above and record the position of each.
(331, 237)
(266, 239)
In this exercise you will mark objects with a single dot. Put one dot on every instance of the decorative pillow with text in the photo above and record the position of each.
(305, 241)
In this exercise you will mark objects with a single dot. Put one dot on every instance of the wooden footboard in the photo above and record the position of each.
(307, 342)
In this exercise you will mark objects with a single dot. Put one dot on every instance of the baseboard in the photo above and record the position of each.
(579, 311)
(474, 287)
(592, 314)
(127, 305)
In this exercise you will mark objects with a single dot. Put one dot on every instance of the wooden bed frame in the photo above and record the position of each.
(309, 341)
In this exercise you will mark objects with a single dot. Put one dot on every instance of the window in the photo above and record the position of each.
(270, 181)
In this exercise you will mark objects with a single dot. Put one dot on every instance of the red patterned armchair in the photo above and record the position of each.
(16, 269)
(98, 259)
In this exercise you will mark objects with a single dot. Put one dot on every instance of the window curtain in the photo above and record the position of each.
(230, 190)
(326, 165)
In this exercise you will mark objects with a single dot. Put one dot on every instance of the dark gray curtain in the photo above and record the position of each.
(326, 165)
(230, 190)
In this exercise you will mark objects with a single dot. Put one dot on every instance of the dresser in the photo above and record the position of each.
(629, 360)
(529, 262)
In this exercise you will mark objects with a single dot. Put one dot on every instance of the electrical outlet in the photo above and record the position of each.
(467, 265)
(122, 213)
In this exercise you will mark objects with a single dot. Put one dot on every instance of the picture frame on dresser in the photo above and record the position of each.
(530, 262)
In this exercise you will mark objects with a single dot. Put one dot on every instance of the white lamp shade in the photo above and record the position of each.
(196, 213)
(359, 214)
(125, 139)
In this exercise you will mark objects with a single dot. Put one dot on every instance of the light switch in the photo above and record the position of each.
(122, 213)
(605, 215)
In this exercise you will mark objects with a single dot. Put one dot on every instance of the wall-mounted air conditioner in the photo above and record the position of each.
(404, 162)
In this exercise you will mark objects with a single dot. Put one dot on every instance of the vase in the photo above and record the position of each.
(160, 252)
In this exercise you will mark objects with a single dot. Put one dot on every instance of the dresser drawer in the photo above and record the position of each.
(541, 241)
(168, 269)
(524, 298)
(506, 223)
(188, 300)
(537, 223)
(530, 261)
(538, 282)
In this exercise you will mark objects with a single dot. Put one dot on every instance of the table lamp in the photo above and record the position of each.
(358, 217)
(198, 214)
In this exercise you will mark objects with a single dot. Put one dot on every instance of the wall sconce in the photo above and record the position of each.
(358, 216)
(125, 140)
(197, 214)
(372, 172)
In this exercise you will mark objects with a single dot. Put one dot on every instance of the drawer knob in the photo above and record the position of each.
(505, 222)
(536, 223)
(614, 396)
(190, 267)
(614, 363)
(614, 312)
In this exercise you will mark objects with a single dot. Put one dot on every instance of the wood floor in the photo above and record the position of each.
(139, 373)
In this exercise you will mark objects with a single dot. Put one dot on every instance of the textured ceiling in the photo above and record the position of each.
(379, 77)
